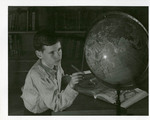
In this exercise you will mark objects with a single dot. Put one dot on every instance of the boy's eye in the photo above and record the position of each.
(52, 52)
(59, 49)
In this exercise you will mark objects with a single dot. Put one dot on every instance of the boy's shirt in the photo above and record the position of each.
(42, 90)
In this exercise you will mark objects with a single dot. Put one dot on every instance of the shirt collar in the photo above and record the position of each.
(52, 68)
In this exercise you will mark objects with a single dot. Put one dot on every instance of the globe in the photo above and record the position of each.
(116, 49)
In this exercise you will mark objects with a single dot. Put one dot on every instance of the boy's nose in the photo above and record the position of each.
(57, 55)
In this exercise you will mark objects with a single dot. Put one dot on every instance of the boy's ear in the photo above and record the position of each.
(38, 54)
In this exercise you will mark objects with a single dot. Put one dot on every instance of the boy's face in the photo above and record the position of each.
(52, 55)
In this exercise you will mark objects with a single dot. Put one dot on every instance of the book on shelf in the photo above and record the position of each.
(93, 87)
(67, 21)
(83, 20)
(72, 48)
(77, 49)
(71, 20)
(14, 45)
(23, 21)
(69, 46)
(60, 22)
(33, 20)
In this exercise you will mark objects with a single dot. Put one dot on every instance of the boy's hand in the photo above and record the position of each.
(75, 78)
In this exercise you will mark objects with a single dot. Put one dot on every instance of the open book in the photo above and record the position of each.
(98, 90)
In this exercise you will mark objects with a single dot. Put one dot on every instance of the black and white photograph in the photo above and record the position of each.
(77, 60)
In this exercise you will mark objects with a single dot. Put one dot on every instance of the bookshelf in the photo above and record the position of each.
(21, 22)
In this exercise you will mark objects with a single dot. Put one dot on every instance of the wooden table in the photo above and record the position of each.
(87, 105)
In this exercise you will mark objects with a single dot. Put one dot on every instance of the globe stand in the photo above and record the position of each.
(118, 103)
(116, 47)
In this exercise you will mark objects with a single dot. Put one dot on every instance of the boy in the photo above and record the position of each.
(42, 90)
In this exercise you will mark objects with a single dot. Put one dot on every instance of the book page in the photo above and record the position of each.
(132, 96)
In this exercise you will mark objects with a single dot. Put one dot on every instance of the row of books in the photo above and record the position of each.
(74, 20)
(23, 19)
(14, 46)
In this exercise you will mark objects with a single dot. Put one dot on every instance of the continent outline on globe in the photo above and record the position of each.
(104, 44)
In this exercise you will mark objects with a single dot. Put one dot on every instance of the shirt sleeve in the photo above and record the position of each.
(55, 100)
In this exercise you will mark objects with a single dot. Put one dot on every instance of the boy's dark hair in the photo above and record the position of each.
(44, 37)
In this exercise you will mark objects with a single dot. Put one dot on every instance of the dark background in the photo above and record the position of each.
(70, 24)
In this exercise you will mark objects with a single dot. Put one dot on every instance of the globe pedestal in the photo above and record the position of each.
(118, 103)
